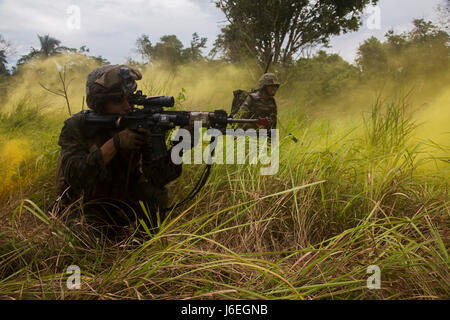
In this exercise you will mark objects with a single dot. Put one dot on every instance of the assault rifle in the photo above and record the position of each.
(158, 121)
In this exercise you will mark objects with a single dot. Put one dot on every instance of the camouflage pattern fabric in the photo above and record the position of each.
(109, 82)
(82, 172)
(268, 79)
(255, 106)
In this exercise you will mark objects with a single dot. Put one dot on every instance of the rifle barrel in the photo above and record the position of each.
(231, 120)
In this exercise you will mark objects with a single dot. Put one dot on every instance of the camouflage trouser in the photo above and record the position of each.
(154, 200)
(112, 217)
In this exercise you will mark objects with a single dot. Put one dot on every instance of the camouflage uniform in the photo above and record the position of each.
(129, 177)
(255, 106)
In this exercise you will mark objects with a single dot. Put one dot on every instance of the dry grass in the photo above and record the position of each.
(343, 199)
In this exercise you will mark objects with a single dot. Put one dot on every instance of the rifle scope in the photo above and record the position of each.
(153, 102)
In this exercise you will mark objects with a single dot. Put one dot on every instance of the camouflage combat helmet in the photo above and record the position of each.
(268, 79)
(110, 82)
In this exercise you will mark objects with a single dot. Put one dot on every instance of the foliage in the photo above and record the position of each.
(423, 50)
(258, 28)
(4, 49)
(355, 190)
(324, 75)
(338, 204)
(50, 47)
(372, 58)
(169, 50)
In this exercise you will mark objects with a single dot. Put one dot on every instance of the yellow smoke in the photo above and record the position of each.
(434, 132)
(13, 156)
(209, 86)
(39, 73)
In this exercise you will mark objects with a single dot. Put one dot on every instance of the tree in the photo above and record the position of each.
(100, 60)
(258, 28)
(418, 52)
(49, 46)
(3, 63)
(323, 76)
(27, 57)
(371, 57)
(230, 45)
(169, 50)
(194, 53)
(5, 49)
(428, 49)
(426, 31)
(144, 47)
(443, 17)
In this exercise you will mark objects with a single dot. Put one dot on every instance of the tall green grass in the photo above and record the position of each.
(343, 199)
(28, 148)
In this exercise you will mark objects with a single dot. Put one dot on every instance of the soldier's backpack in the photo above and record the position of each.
(239, 97)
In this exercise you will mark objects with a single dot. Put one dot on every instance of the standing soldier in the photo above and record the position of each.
(262, 102)
(112, 168)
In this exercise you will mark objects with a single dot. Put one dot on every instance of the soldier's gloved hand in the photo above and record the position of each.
(144, 132)
(130, 140)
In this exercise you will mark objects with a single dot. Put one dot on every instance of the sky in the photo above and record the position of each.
(110, 27)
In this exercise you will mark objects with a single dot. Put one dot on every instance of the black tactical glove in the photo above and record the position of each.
(130, 140)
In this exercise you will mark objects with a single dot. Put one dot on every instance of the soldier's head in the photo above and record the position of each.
(109, 87)
(269, 84)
